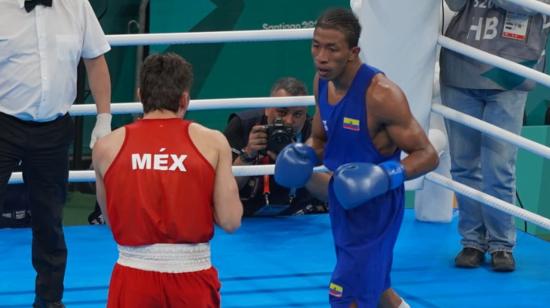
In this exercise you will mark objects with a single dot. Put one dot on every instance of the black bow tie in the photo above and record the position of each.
(30, 4)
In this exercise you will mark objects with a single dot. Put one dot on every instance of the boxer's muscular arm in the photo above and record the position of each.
(103, 154)
(389, 108)
(318, 136)
(388, 112)
(228, 209)
(318, 183)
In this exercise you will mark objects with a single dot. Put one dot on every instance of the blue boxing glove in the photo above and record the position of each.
(357, 183)
(294, 165)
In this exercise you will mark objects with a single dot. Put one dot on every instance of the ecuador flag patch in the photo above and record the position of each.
(335, 290)
(351, 124)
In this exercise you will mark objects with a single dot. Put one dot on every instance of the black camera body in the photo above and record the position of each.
(278, 136)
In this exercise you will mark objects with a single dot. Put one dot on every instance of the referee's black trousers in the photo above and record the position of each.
(42, 148)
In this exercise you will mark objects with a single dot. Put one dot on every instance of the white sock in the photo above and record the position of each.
(404, 304)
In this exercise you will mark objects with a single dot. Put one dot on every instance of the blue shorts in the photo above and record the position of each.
(364, 239)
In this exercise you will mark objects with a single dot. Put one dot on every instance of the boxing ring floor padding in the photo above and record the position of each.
(286, 262)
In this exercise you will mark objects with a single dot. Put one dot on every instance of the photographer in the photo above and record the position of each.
(256, 137)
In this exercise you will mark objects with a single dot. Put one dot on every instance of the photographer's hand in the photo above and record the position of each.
(257, 141)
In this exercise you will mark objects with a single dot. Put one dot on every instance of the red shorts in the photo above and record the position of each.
(132, 287)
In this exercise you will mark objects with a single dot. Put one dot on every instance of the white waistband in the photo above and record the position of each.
(166, 258)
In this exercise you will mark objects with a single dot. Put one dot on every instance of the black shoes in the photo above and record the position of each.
(503, 261)
(469, 258)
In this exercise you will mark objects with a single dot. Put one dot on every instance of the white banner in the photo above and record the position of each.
(400, 38)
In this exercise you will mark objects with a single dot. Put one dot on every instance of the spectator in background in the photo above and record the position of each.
(256, 136)
(497, 97)
(41, 43)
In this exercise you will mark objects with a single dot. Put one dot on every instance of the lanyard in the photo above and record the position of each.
(267, 179)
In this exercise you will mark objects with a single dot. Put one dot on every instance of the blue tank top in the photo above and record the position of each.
(345, 124)
(364, 237)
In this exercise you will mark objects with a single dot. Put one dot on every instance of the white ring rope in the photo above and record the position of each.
(262, 102)
(497, 61)
(210, 37)
(89, 176)
(489, 200)
(492, 130)
(205, 104)
(86, 176)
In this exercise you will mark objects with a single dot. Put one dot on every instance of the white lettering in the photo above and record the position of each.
(177, 162)
(141, 162)
(489, 31)
(483, 3)
(477, 29)
(490, 28)
(159, 162)
(303, 24)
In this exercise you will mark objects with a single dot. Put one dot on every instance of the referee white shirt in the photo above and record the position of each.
(39, 55)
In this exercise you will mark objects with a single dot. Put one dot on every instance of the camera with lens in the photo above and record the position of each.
(278, 136)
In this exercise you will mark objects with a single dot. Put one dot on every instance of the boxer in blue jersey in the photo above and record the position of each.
(361, 124)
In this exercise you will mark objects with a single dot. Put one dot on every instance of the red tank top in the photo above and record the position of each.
(159, 187)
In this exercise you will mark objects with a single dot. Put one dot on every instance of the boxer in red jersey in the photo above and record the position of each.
(162, 182)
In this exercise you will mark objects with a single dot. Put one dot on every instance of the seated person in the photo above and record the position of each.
(249, 133)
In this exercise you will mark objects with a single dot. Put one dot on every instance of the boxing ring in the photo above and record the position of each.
(287, 261)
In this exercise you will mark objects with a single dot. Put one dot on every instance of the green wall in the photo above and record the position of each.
(533, 179)
(539, 99)
(238, 69)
